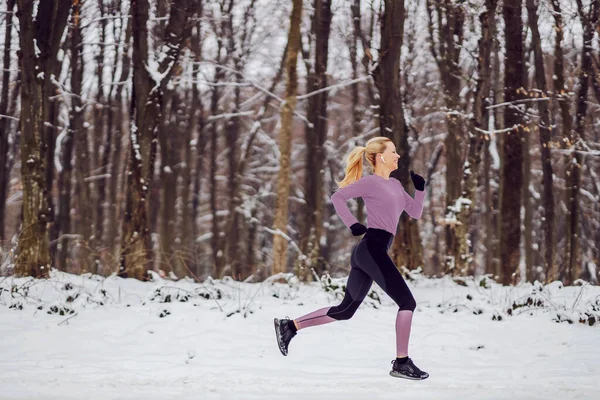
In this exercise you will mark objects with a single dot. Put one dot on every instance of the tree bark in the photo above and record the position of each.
(97, 138)
(407, 250)
(512, 166)
(570, 268)
(116, 111)
(74, 132)
(528, 208)
(285, 141)
(357, 115)
(546, 133)
(217, 238)
(477, 124)
(167, 132)
(316, 133)
(233, 250)
(147, 105)
(104, 145)
(39, 40)
(5, 122)
(83, 158)
(197, 125)
(450, 21)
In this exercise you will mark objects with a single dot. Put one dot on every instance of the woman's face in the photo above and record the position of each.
(389, 158)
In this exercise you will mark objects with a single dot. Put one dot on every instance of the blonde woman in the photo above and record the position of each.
(385, 200)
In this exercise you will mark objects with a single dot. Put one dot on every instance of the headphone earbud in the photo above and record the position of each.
(382, 159)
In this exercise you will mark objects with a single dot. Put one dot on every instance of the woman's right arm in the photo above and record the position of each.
(360, 188)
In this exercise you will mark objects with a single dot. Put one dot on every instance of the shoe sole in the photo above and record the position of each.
(396, 375)
(278, 336)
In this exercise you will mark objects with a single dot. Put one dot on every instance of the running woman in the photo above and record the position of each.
(385, 200)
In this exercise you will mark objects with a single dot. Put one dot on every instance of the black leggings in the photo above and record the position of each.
(370, 262)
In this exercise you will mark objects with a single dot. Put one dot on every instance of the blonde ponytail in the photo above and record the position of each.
(354, 162)
(354, 166)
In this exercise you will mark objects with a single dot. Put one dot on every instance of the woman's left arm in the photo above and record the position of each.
(414, 207)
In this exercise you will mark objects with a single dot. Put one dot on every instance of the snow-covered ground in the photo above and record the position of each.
(181, 340)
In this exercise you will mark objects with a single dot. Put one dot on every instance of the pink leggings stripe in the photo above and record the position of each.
(403, 323)
(315, 318)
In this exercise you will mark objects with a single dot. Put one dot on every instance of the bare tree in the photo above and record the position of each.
(477, 128)
(512, 166)
(83, 159)
(147, 105)
(239, 49)
(446, 45)
(280, 244)
(4, 121)
(407, 250)
(316, 133)
(39, 40)
(546, 133)
(197, 124)
(74, 132)
(575, 139)
(116, 115)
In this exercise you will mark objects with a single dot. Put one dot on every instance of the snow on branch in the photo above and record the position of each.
(231, 115)
(516, 102)
(334, 88)
(9, 117)
(497, 131)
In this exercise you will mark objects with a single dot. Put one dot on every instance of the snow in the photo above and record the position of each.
(126, 339)
(36, 49)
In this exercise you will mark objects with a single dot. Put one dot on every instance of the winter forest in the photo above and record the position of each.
(197, 143)
(204, 138)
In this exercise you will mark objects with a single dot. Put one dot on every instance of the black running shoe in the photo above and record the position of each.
(408, 370)
(284, 335)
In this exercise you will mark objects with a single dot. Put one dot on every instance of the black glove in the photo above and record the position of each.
(358, 229)
(418, 181)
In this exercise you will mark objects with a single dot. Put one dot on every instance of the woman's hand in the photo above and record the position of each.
(358, 229)
(418, 181)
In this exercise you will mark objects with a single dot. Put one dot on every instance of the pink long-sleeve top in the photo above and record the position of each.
(385, 200)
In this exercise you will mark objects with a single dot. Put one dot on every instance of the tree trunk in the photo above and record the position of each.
(546, 133)
(167, 132)
(316, 134)
(512, 166)
(564, 104)
(83, 160)
(4, 121)
(197, 125)
(233, 250)
(528, 208)
(357, 115)
(450, 21)
(407, 250)
(478, 123)
(496, 150)
(187, 241)
(285, 142)
(215, 239)
(489, 209)
(147, 106)
(75, 131)
(107, 148)
(106, 145)
(98, 142)
(116, 111)
(570, 268)
(39, 41)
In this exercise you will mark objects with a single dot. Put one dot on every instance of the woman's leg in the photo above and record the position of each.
(357, 288)
(374, 260)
